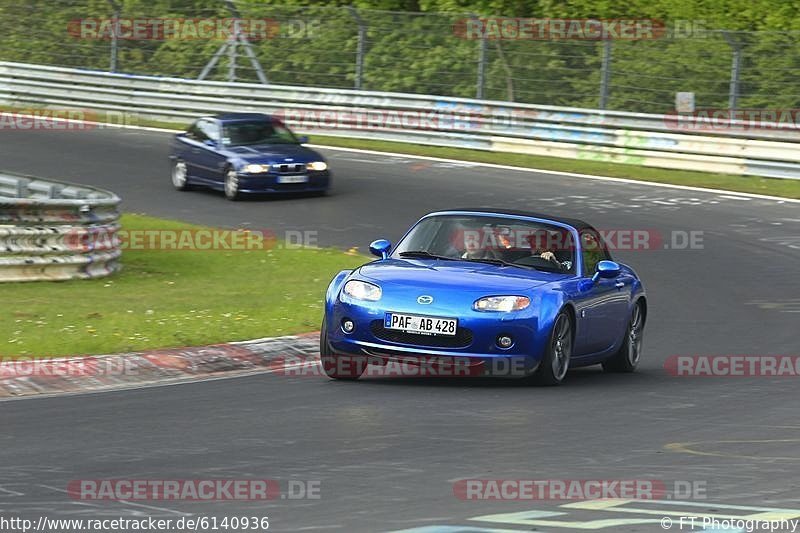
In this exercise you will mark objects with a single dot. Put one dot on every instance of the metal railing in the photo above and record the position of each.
(51, 230)
(611, 136)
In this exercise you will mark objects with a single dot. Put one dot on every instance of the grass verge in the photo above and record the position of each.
(171, 298)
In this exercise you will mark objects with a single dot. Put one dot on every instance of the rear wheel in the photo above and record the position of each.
(555, 363)
(232, 185)
(343, 367)
(180, 175)
(627, 357)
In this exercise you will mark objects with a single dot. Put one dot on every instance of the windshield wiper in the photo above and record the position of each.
(498, 262)
(426, 255)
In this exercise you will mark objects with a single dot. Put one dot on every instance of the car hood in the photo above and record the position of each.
(274, 153)
(456, 276)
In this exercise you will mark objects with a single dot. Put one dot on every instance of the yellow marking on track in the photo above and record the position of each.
(688, 448)
(596, 504)
(534, 518)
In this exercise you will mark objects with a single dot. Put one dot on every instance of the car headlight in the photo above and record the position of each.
(361, 290)
(256, 169)
(502, 303)
(317, 165)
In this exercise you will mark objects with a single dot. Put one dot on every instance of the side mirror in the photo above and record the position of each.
(302, 139)
(381, 248)
(607, 270)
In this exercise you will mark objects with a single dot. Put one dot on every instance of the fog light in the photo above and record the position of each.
(504, 341)
(348, 326)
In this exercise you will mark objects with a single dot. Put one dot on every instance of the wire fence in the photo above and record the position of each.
(425, 53)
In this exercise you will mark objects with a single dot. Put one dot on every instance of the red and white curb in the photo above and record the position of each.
(23, 377)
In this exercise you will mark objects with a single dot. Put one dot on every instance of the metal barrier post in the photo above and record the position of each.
(605, 74)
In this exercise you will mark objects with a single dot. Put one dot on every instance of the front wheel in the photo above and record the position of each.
(555, 363)
(180, 175)
(627, 357)
(232, 185)
(342, 367)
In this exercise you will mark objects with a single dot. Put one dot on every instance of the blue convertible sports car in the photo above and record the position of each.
(240, 153)
(503, 293)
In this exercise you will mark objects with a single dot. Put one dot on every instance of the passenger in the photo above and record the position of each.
(474, 241)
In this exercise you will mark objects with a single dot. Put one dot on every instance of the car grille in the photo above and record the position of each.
(290, 168)
(462, 338)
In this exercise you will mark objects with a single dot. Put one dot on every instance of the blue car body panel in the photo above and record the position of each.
(207, 162)
(600, 308)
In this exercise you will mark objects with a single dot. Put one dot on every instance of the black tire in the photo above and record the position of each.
(180, 175)
(231, 185)
(630, 353)
(341, 367)
(555, 363)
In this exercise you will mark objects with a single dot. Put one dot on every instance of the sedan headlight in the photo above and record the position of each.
(502, 303)
(361, 290)
(256, 169)
(317, 165)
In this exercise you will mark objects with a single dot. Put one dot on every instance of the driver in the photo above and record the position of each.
(546, 250)
(547, 255)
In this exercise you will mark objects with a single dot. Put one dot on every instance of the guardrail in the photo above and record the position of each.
(610, 136)
(52, 230)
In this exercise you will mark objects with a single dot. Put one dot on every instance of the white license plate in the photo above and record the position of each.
(427, 325)
(292, 179)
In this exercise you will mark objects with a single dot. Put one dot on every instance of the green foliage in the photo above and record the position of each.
(412, 46)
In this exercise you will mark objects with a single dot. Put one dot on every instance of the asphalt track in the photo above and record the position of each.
(388, 451)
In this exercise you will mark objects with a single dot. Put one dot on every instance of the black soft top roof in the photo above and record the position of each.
(574, 222)
(229, 117)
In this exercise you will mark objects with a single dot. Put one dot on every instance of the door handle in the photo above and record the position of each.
(619, 284)
(195, 150)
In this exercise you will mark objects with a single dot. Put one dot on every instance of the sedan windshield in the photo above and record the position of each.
(247, 133)
(491, 239)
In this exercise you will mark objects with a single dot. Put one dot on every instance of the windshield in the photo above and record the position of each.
(491, 239)
(247, 133)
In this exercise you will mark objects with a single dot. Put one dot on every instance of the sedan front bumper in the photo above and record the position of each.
(270, 182)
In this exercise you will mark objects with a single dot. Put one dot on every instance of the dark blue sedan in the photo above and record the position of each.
(240, 153)
(487, 292)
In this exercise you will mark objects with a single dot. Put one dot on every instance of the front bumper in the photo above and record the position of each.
(270, 182)
(472, 352)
